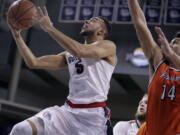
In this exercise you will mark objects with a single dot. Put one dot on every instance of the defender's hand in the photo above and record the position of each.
(164, 44)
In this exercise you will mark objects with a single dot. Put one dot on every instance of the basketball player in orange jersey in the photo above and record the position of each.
(90, 66)
(163, 111)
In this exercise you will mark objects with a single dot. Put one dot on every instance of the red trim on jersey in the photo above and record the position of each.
(91, 105)
(132, 121)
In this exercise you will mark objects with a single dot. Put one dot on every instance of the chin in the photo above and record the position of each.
(82, 33)
(86, 33)
(140, 115)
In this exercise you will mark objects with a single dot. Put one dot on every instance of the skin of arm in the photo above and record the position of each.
(102, 49)
(45, 62)
(149, 46)
(166, 48)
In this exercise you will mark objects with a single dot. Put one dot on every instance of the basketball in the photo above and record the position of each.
(20, 14)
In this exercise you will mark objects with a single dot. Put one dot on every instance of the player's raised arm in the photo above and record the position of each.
(149, 46)
(101, 49)
(167, 48)
(66, 42)
(45, 62)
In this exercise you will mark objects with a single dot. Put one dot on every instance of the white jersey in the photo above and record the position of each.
(89, 79)
(126, 128)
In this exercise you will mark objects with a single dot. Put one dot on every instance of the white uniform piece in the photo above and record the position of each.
(126, 128)
(89, 83)
(65, 120)
(89, 79)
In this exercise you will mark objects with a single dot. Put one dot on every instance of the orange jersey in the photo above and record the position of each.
(163, 111)
(143, 129)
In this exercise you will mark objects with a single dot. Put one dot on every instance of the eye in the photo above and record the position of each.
(94, 20)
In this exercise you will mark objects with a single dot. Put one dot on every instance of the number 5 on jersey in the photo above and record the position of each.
(79, 67)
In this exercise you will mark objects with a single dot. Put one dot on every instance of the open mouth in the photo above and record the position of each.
(141, 109)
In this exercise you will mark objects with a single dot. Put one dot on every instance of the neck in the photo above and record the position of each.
(140, 122)
(172, 62)
(91, 39)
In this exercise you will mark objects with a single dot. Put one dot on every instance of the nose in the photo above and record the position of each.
(86, 21)
(142, 104)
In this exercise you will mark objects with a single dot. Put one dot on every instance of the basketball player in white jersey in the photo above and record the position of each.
(131, 127)
(90, 66)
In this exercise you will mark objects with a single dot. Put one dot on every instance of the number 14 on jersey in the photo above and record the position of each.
(170, 94)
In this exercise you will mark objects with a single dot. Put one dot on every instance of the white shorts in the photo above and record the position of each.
(65, 120)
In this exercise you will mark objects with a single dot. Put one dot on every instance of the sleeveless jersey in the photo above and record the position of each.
(163, 111)
(89, 79)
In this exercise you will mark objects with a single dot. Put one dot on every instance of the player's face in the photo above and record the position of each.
(92, 26)
(142, 107)
(175, 45)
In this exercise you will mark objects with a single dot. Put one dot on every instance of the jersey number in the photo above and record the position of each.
(170, 94)
(79, 67)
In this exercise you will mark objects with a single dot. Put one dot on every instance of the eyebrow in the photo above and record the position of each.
(98, 19)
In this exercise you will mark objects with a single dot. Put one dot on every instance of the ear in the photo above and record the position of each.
(101, 32)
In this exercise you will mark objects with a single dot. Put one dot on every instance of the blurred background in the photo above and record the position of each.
(24, 92)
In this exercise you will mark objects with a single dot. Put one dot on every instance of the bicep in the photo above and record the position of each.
(100, 50)
(52, 61)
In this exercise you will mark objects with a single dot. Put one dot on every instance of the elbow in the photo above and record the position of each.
(139, 23)
(31, 65)
(139, 20)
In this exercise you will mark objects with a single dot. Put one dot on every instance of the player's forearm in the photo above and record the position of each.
(66, 42)
(174, 58)
(144, 35)
(25, 52)
(136, 12)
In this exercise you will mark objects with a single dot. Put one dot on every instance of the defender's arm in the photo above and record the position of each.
(149, 46)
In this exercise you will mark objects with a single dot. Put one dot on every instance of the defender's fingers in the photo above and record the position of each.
(159, 32)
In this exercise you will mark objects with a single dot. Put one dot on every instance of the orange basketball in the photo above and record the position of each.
(20, 14)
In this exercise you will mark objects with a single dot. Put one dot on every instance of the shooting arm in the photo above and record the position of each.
(102, 49)
(45, 62)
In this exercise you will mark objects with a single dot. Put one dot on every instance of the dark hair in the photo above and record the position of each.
(177, 34)
(107, 24)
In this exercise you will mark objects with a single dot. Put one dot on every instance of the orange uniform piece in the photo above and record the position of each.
(163, 110)
(142, 129)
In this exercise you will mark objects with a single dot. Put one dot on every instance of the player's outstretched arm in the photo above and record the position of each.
(102, 49)
(45, 62)
(149, 46)
(166, 48)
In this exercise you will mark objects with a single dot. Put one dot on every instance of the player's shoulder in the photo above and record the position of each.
(123, 123)
(62, 53)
